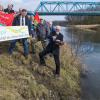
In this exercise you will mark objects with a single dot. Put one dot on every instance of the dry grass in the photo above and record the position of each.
(24, 79)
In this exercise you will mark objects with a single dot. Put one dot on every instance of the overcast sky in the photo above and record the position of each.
(32, 4)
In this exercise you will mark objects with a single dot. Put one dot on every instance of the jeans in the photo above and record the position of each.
(25, 45)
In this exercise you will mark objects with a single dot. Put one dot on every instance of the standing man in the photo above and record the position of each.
(51, 26)
(1, 8)
(9, 10)
(19, 12)
(55, 41)
(21, 20)
(42, 32)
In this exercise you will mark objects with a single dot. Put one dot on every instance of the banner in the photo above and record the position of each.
(13, 32)
(6, 19)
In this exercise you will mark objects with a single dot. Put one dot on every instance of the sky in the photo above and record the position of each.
(32, 5)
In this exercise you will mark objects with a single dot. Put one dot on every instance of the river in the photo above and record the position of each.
(89, 50)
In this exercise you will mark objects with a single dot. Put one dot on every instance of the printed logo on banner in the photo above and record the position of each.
(13, 32)
(16, 31)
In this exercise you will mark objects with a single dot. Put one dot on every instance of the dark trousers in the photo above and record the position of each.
(56, 57)
(25, 45)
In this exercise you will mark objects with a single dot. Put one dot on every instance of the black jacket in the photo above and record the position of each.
(16, 22)
(52, 44)
(42, 31)
(8, 11)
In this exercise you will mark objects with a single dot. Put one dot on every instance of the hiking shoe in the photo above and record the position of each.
(58, 77)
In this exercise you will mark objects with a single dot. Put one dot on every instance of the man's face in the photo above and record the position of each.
(42, 21)
(57, 31)
(50, 24)
(23, 13)
(10, 6)
(20, 10)
(1, 8)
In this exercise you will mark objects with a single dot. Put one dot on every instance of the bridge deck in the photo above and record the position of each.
(71, 13)
(68, 8)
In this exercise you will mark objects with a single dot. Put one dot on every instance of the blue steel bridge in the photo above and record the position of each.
(68, 8)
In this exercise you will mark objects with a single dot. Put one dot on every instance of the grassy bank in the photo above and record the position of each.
(89, 28)
(24, 79)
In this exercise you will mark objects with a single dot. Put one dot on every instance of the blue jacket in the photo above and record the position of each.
(52, 30)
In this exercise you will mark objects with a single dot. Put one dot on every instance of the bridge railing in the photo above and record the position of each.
(68, 8)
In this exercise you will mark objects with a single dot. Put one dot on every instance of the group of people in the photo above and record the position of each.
(50, 36)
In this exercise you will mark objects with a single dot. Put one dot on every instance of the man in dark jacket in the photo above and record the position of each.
(55, 41)
(21, 20)
(9, 10)
(42, 31)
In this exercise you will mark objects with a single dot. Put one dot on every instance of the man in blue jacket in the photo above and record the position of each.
(21, 20)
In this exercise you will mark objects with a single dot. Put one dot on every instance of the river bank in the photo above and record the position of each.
(84, 27)
(25, 79)
(89, 28)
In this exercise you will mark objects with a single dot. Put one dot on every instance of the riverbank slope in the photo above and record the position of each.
(86, 27)
(25, 79)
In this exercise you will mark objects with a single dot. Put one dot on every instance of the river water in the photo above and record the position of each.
(87, 45)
